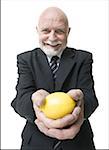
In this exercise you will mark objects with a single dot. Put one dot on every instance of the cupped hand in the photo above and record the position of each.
(68, 119)
(58, 123)
(63, 128)
(61, 134)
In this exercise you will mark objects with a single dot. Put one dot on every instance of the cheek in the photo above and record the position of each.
(43, 37)
(62, 38)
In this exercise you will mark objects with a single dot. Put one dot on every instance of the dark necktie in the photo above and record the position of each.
(54, 66)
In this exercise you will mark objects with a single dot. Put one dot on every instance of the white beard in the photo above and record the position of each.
(50, 51)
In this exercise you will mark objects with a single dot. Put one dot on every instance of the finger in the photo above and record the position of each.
(72, 118)
(71, 132)
(80, 119)
(66, 121)
(38, 97)
(39, 100)
(63, 134)
(76, 111)
(47, 121)
(39, 114)
(76, 94)
(41, 126)
(68, 133)
(50, 123)
(58, 123)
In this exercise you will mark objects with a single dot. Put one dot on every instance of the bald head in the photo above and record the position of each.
(54, 14)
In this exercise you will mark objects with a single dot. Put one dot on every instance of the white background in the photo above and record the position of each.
(89, 22)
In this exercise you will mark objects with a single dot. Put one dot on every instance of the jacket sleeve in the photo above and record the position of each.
(22, 103)
(86, 84)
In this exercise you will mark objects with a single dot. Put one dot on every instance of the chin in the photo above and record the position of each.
(51, 51)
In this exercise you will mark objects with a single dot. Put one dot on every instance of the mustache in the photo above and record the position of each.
(53, 43)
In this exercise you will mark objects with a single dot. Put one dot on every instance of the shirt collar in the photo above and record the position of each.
(59, 55)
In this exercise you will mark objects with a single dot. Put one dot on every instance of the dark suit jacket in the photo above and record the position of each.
(75, 72)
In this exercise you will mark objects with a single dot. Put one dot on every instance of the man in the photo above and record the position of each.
(72, 75)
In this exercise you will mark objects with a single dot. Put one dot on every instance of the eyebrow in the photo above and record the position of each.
(57, 28)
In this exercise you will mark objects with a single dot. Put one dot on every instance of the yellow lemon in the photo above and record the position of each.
(57, 105)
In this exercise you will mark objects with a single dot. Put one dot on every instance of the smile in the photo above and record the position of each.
(56, 45)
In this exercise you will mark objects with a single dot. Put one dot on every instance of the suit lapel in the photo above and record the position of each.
(66, 64)
(45, 69)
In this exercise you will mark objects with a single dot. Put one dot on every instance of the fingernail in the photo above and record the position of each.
(78, 111)
(38, 103)
(36, 121)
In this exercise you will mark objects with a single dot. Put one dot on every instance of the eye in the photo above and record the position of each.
(60, 31)
(45, 31)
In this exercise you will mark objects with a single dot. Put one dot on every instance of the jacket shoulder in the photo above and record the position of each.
(83, 52)
(27, 53)
(80, 53)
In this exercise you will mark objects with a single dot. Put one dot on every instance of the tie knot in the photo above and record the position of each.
(54, 59)
(54, 65)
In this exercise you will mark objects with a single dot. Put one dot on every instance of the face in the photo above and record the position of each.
(53, 32)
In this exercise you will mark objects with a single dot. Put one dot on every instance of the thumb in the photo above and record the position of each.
(40, 101)
(38, 97)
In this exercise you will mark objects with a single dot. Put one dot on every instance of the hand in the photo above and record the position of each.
(61, 134)
(58, 123)
(68, 119)
(38, 98)
(49, 126)
(78, 96)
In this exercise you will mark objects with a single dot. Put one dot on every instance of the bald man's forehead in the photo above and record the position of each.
(52, 23)
(54, 19)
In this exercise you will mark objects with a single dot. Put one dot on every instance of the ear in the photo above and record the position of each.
(37, 29)
(69, 30)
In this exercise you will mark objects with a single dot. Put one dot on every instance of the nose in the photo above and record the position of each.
(52, 36)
